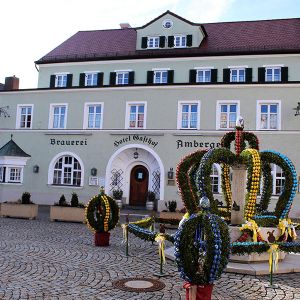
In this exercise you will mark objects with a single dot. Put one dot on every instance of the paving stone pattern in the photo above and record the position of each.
(40, 259)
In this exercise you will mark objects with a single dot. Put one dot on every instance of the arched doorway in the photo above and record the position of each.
(139, 178)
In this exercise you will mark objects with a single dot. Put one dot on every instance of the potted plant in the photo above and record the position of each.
(150, 200)
(117, 195)
(171, 212)
(63, 211)
(23, 208)
(102, 214)
(171, 205)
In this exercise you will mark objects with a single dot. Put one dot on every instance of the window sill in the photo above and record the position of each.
(65, 186)
(11, 183)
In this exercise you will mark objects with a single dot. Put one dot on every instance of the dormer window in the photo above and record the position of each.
(237, 75)
(179, 41)
(160, 76)
(153, 42)
(273, 73)
(91, 79)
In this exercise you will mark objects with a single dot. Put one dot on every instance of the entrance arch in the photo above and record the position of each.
(122, 162)
(139, 179)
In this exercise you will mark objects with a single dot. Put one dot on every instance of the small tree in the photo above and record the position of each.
(62, 201)
(26, 198)
(74, 200)
(171, 206)
(118, 194)
(151, 196)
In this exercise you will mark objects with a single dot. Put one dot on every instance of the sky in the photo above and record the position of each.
(32, 28)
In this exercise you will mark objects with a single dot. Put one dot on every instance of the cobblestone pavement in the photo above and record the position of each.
(40, 259)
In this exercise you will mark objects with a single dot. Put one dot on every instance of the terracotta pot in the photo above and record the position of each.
(198, 292)
(102, 239)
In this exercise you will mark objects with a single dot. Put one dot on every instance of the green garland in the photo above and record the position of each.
(185, 181)
(267, 187)
(95, 220)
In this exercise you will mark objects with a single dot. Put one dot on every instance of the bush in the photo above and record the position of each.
(151, 196)
(171, 205)
(26, 198)
(117, 194)
(62, 201)
(74, 200)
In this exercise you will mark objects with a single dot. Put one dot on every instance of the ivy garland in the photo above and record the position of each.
(250, 137)
(267, 180)
(102, 213)
(202, 248)
(186, 188)
(285, 200)
(203, 180)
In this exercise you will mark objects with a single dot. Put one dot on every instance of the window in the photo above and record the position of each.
(122, 78)
(203, 76)
(91, 79)
(93, 113)
(278, 179)
(215, 179)
(136, 116)
(67, 171)
(61, 80)
(227, 113)
(160, 76)
(268, 115)
(58, 116)
(153, 42)
(273, 74)
(14, 175)
(237, 75)
(24, 116)
(188, 115)
(180, 41)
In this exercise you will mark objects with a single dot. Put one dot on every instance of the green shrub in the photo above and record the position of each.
(171, 205)
(62, 201)
(151, 196)
(26, 198)
(117, 194)
(74, 200)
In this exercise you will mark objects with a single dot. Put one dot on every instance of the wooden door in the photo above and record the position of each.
(139, 178)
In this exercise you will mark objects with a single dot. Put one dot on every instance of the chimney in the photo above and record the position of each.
(11, 83)
(125, 25)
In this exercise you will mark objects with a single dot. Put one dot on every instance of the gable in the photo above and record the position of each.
(179, 26)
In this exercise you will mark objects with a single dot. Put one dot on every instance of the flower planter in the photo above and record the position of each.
(102, 239)
(68, 214)
(150, 205)
(198, 292)
(171, 215)
(15, 210)
(119, 203)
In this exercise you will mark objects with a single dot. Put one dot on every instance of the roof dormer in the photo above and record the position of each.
(169, 31)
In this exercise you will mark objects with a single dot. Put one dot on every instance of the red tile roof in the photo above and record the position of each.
(226, 38)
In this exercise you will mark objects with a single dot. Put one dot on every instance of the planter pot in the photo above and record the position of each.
(150, 205)
(69, 214)
(198, 292)
(119, 203)
(102, 239)
(14, 210)
(171, 215)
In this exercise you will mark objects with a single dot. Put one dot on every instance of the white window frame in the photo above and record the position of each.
(180, 37)
(273, 68)
(57, 76)
(258, 114)
(161, 71)
(86, 115)
(273, 172)
(198, 70)
(127, 116)
(18, 117)
(122, 73)
(18, 174)
(218, 114)
(51, 115)
(94, 75)
(51, 171)
(153, 39)
(218, 168)
(179, 113)
(238, 70)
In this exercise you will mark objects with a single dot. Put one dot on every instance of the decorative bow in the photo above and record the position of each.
(273, 258)
(160, 239)
(125, 233)
(252, 226)
(287, 225)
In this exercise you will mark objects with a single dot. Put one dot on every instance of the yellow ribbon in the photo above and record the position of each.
(273, 258)
(287, 225)
(160, 239)
(125, 233)
(252, 226)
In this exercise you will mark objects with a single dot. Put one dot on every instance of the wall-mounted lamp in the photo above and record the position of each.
(297, 109)
(135, 154)
(36, 169)
(4, 111)
(171, 174)
(93, 171)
